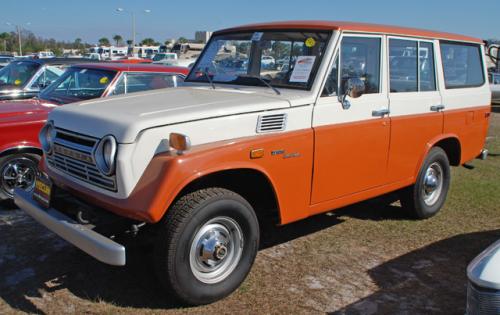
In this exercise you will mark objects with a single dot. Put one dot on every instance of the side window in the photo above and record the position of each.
(359, 58)
(427, 73)
(403, 65)
(137, 82)
(462, 65)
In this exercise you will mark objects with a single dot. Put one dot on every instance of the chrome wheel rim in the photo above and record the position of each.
(18, 173)
(216, 250)
(433, 184)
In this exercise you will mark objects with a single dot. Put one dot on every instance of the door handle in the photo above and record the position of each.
(380, 112)
(437, 108)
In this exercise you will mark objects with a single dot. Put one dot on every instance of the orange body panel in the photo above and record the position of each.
(352, 26)
(291, 169)
(471, 127)
(166, 175)
(410, 136)
(349, 158)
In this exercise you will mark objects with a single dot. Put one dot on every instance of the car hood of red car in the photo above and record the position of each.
(24, 109)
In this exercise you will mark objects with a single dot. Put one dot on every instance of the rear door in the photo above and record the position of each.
(351, 145)
(415, 103)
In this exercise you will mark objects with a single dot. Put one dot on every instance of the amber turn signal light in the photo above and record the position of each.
(256, 153)
(179, 142)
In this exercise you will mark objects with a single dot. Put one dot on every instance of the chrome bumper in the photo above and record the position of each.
(94, 244)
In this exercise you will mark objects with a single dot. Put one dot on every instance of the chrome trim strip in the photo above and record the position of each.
(94, 244)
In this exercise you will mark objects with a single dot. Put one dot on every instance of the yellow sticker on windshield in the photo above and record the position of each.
(104, 80)
(17, 82)
(310, 42)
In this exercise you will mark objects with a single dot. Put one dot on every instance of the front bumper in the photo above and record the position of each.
(89, 241)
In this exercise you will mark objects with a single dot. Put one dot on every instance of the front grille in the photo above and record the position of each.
(72, 155)
(481, 301)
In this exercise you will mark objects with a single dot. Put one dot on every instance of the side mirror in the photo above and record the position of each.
(354, 88)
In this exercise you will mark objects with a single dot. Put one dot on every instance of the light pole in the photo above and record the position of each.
(133, 22)
(18, 28)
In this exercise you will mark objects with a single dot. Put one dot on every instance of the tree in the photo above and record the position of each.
(77, 43)
(129, 42)
(167, 42)
(118, 39)
(103, 41)
(148, 42)
(182, 40)
(4, 37)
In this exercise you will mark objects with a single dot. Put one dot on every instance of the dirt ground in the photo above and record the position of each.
(369, 258)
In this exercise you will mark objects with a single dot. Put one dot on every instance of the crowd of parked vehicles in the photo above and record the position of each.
(276, 121)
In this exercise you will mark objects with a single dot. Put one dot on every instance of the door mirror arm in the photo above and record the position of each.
(354, 88)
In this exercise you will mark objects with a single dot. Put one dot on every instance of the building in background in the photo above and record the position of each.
(202, 36)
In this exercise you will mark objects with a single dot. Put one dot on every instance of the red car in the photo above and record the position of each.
(21, 120)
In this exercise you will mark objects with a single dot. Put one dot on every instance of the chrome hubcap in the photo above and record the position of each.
(216, 250)
(19, 172)
(433, 184)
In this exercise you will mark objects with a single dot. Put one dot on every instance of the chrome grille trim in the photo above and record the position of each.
(482, 301)
(269, 123)
(83, 165)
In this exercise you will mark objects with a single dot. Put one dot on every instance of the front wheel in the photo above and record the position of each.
(427, 196)
(17, 171)
(206, 245)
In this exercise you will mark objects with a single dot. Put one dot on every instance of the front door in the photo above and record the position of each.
(351, 145)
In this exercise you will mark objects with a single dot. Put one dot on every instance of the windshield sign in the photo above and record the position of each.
(281, 58)
(17, 74)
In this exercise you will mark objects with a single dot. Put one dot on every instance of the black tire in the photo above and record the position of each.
(416, 199)
(187, 219)
(27, 160)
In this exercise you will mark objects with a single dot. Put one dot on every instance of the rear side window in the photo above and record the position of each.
(411, 65)
(462, 65)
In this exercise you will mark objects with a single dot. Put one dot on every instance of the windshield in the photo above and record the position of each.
(17, 74)
(77, 84)
(282, 58)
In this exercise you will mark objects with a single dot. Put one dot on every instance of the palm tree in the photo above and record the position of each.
(103, 41)
(77, 43)
(129, 42)
(182, 40)
(4, 37)
(118, 39)
(148, 42)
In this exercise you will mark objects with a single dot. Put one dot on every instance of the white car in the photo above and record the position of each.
(495, 87)
(483, 291)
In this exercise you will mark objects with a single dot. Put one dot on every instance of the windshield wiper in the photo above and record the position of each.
(258, 77)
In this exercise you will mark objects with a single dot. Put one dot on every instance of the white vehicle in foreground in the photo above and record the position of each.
(483, 291)
(198, 165)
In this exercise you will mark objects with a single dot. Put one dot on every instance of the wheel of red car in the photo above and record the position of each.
(17, 171)
(427, 196)
(206, 245)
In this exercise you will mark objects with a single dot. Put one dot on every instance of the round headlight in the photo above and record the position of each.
(47, 136)
(105, 155)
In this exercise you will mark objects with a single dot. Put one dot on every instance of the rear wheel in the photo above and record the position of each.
(206, 245)
(427, 196)
(17, 171)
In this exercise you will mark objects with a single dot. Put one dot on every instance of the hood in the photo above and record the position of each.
(23, 109)
(125, 116)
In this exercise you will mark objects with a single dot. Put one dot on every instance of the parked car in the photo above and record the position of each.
(195, 167)
(27, 77)
(5, 60)
(494, 79)
(21, 120)
(164, 57)
(483, 290)
(44, 54)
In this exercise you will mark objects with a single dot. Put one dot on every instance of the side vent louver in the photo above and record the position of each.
(269, 123)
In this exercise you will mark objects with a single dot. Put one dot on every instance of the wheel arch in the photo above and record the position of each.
(451, 145)
(21, 149)
(252, 184)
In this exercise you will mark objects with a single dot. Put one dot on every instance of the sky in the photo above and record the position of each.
(93, 19)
